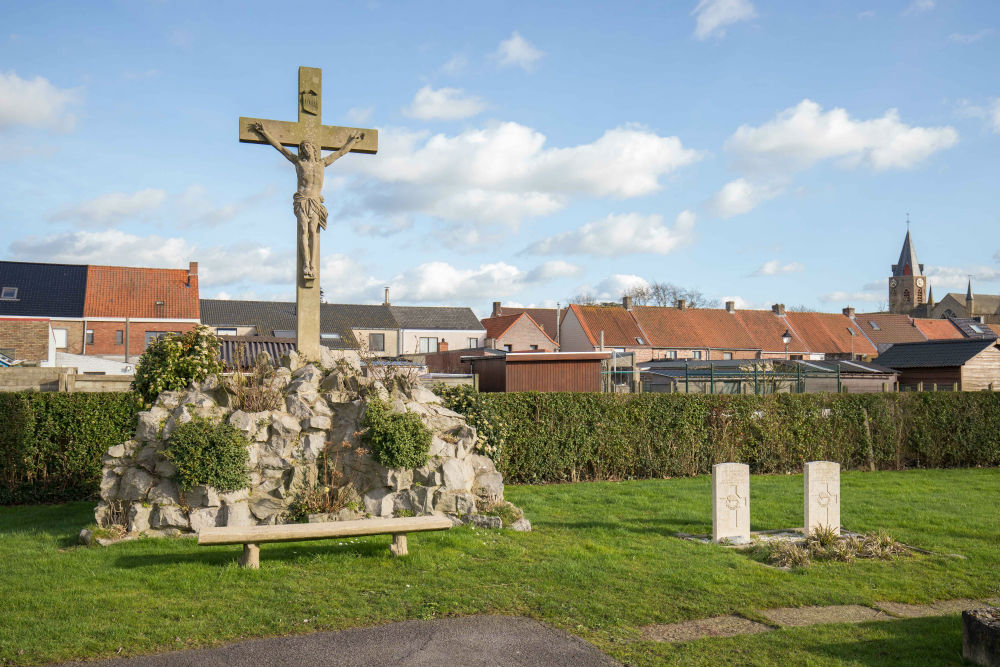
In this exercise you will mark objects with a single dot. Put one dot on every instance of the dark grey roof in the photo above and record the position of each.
(908, 260)
(252, 346)
(436, 317)
(972, 328)
(933, 354)
(44, 290)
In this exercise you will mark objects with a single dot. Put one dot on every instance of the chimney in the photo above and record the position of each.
(627, 302)
(192, 273)
(849, 312)
(497, 310)
(778, 309)
(730, 306)
(386, 296)
(682, 304)
(442, 346)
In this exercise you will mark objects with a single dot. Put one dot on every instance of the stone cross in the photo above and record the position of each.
(731, 502)
(822, 496)
(311, 137)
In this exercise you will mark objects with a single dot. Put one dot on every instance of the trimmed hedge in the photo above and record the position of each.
(547, 437)
(51, 444)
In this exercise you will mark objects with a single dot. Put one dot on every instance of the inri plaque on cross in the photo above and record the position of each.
(311, 137)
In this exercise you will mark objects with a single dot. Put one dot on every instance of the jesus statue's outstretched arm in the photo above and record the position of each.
(259, 129)
(351, 140)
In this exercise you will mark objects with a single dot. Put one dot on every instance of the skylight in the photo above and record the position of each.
(9, 293)
(874, 326)
(976, 328)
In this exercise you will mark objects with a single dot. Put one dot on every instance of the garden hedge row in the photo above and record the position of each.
(546, 437)
(51, 444)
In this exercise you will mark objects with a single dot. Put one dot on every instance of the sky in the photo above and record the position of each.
(759, 151)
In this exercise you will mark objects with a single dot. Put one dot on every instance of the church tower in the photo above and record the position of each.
(908, 284)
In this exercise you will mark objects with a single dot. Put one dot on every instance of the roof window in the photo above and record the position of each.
(159, 303)
(9, 294)
(330, 336)
(874, 326)
(976, 328)
(640, 341)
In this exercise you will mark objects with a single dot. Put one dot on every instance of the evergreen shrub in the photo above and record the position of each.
(396, 440)
(548, 437)
(51, 444)
(173, 361)
(210, 453)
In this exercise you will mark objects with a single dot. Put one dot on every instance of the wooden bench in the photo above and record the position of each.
(252, 536)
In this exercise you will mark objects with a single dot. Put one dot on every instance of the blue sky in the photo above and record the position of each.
(761, 151)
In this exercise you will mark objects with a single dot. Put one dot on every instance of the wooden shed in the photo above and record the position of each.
(539, 371)
(973, 364)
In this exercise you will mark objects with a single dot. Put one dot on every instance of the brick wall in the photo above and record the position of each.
(74, 335)
(522, 335)
(28, 339)
(105, 335)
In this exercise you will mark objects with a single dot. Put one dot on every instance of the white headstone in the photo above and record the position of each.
(822, 495)
(731, 502)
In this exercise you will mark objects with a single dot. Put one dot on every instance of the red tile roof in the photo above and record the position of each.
(765, 330)
(498, 326)
(619, 326)
(892, 328)
(123, 291)
(938, 329)
(695, 327)
(829, 333)
(545, 318)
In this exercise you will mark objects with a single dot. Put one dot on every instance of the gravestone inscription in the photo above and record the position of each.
(731, 502)
(822, 496)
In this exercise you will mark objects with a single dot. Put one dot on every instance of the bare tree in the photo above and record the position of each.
(667, 294)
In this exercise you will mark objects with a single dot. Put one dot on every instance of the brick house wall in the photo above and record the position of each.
(522, 335)
(25, 339)
(105, 335)
(74, 335)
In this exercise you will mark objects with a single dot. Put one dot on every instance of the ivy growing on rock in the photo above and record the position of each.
(396, 440)
(211, 453)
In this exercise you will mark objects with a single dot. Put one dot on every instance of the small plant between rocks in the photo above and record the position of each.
(824, 544)
(209, 453)
(252, 386)
(396, 440)
(334, 491)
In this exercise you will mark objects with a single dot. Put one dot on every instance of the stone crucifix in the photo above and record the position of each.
(311, 137)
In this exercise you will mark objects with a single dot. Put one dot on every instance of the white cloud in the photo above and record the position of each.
(956, 278)
(112, 208)
(194, 206)
(385, 226)
(847, 298)
(918, 7)
(504, 173)
(516, 51)
(775, 268)
(455, 65)
(990, 112)
(713, 16)
(552, 270)
(801, 136)
(360, 115)
(444, 104)
(612, 287)
(867, 14)
(969, 38)
(621, 234)
(741, 196)
(35, 103)
(442, 282)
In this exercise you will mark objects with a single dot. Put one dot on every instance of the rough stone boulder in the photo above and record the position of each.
(317, 424)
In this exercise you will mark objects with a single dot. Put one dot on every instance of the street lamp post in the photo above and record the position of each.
(786, 338)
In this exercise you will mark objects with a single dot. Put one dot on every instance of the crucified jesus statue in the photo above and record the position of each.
(308, 198)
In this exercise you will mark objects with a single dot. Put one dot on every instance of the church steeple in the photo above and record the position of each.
(907, 265)
(930, 296)
(970, 300)
(907, 285)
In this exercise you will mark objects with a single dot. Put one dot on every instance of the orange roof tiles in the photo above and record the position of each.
(123, 291)
(765, 330)
(498, 326)
(892, 328)
(830, 333)
(938, 329)
(694, 327)
(619, 327)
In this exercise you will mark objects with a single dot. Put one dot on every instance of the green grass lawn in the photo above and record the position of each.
(600, 563)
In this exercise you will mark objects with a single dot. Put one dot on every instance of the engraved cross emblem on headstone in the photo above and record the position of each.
(311, 137)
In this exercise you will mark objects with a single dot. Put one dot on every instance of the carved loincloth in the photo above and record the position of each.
(309, 207)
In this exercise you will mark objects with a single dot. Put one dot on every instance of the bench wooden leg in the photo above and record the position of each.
(398, 546)
(251, 556)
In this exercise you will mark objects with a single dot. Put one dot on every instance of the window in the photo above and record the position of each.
(428, 345)
(473, 342)
(90, 337)
(672, 354)
(329, 337)
(9, 294)
(976, 328)
(153, 335)
(223, 331)
(507, 348)
(534, 347)
(874, 326)
(376, 342)
(696, 354)
(727, 355)
(119, 337)
(60, 335)
(640, 341)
